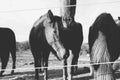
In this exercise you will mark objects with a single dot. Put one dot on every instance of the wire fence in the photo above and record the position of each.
(49, 67)
(81, 4)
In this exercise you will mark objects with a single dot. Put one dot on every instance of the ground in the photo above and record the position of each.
(25, 68)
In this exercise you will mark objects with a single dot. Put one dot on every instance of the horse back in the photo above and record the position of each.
(72, 37)
(7, 40)
(37, 38)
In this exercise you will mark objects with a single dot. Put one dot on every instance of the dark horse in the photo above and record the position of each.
(104, 43)
(7, 46)
(71, 36)
(44, 38)
(48, 34)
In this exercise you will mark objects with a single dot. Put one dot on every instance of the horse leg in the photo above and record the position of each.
(45, 60)
(91, 69)
(65, 69)
(41, 64)
(13, 54)
(36, 68)
(4, 61)
(75, 60)
(69, 63)
(45, 70)
(37, 63)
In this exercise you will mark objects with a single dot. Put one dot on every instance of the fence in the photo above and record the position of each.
(88, 64)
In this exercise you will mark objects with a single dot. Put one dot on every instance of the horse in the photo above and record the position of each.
(48, 34)
(7, 47)
(104, 43)
(116, 64)
(45, 38)
(72, 37)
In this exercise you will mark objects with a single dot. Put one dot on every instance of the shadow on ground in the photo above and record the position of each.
(81, 74)
(52, 75)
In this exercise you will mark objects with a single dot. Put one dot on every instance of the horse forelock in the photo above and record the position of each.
(104, 23)
(58, 20)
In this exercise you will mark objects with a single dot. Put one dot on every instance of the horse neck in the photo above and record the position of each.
(67, 9)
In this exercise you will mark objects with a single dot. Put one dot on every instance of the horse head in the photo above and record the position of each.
(67, 12)
(52, 35)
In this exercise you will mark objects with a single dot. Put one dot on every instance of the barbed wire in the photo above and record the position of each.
(36, 9)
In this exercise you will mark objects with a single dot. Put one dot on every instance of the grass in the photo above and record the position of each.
(25, 61)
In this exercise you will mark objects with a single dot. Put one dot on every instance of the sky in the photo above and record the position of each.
(20, 15)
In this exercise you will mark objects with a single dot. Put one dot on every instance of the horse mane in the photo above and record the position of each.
(105, 23)
(40, 20)
(58, 19)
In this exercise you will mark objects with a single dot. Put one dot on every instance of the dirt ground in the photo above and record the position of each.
(25, 68)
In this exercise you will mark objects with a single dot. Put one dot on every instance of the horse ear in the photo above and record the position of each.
(119, 18)
(50, 15)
